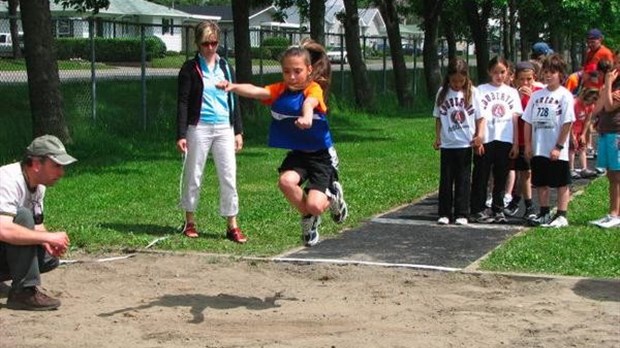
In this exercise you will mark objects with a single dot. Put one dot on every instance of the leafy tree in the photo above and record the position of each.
(388, 11)
(363, 92)
(429, 11)
(243, 59)
(477, 13)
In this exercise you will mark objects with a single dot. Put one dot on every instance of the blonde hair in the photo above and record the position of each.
(205, 29)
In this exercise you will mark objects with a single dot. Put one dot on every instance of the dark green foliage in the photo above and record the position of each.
(111, 50)
(277, 45)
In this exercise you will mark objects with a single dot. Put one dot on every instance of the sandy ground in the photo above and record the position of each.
(155, 300)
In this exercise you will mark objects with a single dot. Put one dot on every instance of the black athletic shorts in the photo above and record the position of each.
(314, 168)
(546, 172)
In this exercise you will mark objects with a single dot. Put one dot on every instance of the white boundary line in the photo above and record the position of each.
(367, 263)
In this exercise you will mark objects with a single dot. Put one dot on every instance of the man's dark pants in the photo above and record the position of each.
(25, 263)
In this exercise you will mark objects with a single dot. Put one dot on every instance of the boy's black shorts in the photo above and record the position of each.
(546, 172)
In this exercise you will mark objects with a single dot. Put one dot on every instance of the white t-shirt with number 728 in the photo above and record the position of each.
(547, 111)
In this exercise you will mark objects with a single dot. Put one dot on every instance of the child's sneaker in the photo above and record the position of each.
(540, 219)
(511, 209)
(557, 222)
(530, 212)
(338, 207)
(485, 217)
(587, 173)
(608, 221)
(500, 218)
(310, 230)
(443, 220)
(575, 174)
(461, 221)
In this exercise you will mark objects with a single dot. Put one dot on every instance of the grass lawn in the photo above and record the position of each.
(9, 64)
(123, 191)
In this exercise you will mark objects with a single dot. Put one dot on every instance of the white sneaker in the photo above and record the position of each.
(507, 199)
(338, 207)
(558, 221)
(461, 221)
(608, 221)
(310, 230)
(443, 220)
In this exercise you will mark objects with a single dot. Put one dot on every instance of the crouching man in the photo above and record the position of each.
(27, 249)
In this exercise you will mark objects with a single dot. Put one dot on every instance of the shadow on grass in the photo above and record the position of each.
(598, 290)
(198, 303)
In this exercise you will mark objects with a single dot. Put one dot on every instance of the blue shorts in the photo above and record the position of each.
(608, 156)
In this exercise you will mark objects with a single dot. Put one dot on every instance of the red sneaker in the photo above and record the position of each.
(236, 235)
(189, 230)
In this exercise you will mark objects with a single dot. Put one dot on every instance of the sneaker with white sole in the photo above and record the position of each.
(485, 217)
(530, 212)
(310, 230)
(511, 209)
(540, 219)
(338, 207)
(608, 221)
(461, 221)
(557, 222)
(500, 218)
(444, 220)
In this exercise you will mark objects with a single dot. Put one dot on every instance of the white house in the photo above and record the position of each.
(118, 20)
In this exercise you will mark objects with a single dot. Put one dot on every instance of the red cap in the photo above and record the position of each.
(590, 68)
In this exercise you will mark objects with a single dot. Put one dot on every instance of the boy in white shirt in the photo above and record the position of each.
(548, 118)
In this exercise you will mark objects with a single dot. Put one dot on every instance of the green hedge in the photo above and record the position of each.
(277, 45)
(110, 49)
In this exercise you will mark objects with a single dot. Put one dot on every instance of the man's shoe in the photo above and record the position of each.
(338, 207)
(31, 299)
(557, 222)
(607, 222)
(540, 219)
(310, 230)
(236, 235)
(189, 230)
(511, 209)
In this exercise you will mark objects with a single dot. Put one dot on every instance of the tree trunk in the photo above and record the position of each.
(512, 13)
(432, 75)
(478, 19)
(317, 21)
(364, 96)
(390, 17)
(17, 50)
(448, 32)
(243, 58)
(42, 69)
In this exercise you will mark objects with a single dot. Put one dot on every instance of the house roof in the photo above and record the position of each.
(222, 11)
(332, 8)
(121, 8)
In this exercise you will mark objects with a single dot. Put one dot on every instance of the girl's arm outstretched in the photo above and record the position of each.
(244, 89)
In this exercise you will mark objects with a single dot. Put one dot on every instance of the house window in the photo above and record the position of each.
(167, 26)
(63, 28)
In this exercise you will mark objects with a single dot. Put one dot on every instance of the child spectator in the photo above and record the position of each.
(548, 118)
(500, 105)
(584, 104)
(608, 128)
(458, 126)
(524, 82)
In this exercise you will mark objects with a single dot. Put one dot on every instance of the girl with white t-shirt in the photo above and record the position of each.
(458, 126)
(548, 118)
(500, 105)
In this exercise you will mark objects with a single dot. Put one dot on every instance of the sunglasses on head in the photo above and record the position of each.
(209, 43)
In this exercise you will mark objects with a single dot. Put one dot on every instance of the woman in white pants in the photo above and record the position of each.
(208, 120)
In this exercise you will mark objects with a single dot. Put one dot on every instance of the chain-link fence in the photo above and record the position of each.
(93, 55)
